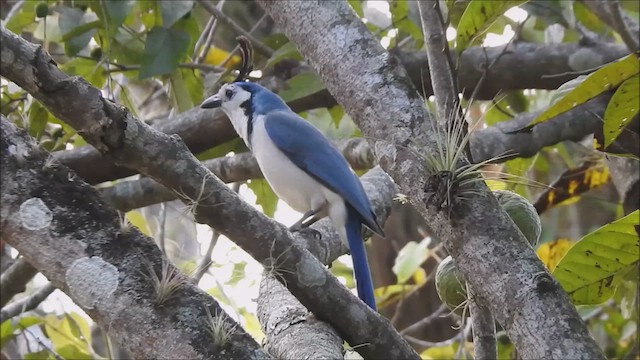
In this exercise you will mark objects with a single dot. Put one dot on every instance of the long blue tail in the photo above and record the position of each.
(364, 284)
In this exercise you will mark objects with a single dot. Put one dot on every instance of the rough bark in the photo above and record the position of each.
(128, 142)
(291, 332)
(60, 225)
(492, 254)
(202, 129)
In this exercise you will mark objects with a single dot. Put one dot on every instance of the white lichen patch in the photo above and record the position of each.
(34, 214)
(308, 274)
(92, 281)
(7, 56)
(584, 59)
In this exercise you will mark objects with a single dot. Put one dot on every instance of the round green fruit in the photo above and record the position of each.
(450, 285)
(523, 214)
(42, 10)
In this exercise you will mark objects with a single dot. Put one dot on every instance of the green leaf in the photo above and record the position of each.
(76, 29)
(117, 10)
(66, 339)
(286, 51)
(400, 19)
(173, 10)
(477, 17)
(587, 18)
(410, 258)
(163, 51)
(265, 197)
(595, 84)
(136, 219)
(356, 5)
(337, 113)
(235, 145)
(301, 85)
(591, 269)
(39, 355)
(23, 18)
(621, 109)
(38, 118)
(179, 93)
(88, 69)
(455, 10)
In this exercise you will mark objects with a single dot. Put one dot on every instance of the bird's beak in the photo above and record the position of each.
(211, 102)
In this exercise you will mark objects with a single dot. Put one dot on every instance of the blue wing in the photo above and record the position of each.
(310, 150)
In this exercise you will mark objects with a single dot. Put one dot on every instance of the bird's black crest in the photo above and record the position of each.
(246, 51)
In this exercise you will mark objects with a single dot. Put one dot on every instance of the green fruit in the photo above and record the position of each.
(42, 10)
(523, 214)
(450, 285)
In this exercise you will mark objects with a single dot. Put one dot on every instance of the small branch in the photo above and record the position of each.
(424, 322)
(259, 46)
(206, 259)
(28, 303)
(442, 79)
(423, 344)
(484, 332)
(628, 38)
(14, 280)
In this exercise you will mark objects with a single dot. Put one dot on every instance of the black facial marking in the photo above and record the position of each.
(247, 106)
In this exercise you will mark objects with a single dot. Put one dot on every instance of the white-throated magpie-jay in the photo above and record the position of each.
(303, 168)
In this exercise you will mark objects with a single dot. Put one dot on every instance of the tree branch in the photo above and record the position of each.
(259, 46)
(609, 12)
(28, 303)
(116, 133)
(375, 90)
(60, 225)
(484, 332)
(202, 129)
(14, 280)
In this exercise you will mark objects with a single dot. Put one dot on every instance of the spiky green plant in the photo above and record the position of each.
(167, 283)
(219, 328)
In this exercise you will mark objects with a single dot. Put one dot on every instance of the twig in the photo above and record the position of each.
(49, 349)
(223, 63)
(14, 279)
(199, 51)
(424, 321)
(259, 46)
(484, 332)
(622, 27)
(206, 260)
(424, 344)
(28, 303)
(161, 230)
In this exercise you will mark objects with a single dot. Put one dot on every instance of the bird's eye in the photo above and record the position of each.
(228, 93)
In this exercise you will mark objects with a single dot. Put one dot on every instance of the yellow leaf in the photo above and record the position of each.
(215, 56)
(550, 253)
(136, 219)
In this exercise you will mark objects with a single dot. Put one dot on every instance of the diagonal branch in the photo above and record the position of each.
(60, 225)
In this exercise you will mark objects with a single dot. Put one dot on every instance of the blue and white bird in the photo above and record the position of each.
(304, 169)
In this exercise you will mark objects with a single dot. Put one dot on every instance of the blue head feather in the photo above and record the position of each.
(263, 101)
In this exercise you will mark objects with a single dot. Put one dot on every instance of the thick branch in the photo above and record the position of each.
(201, 129)
(375, 90)
(60, 225)
(484, 332)
(14, 280)
(114, 131)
